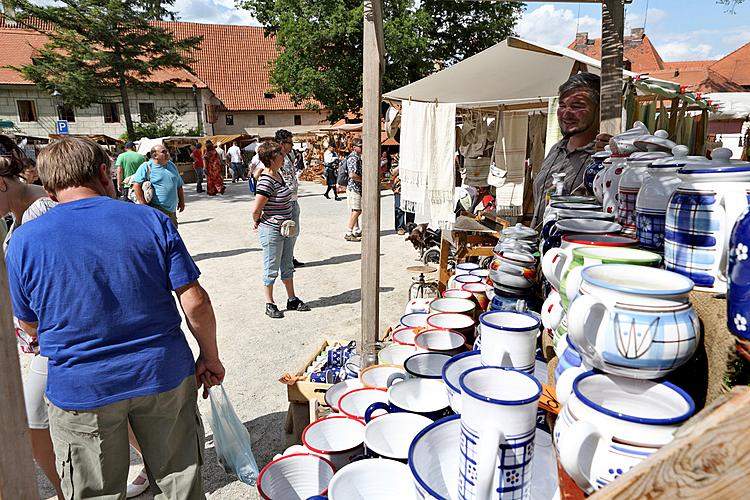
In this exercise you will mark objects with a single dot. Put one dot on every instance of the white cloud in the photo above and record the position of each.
(212, 11)
(635, 19)
(684, 51)
(550, 25)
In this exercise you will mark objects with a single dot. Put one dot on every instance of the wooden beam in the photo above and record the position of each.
(371, 97)
(17, 478)
(610, 112)
(709, 457)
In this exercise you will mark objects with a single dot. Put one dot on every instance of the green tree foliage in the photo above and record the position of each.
(321, 43)
(100, 49)
(168, 123)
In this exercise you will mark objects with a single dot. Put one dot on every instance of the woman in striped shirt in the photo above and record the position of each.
(273, 206)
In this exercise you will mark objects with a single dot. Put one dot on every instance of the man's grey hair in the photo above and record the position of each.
(583, 81)
(71, 162)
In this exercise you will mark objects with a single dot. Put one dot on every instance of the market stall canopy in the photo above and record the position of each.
(270, 131)
(730, 105)
(226, 139)
(513, 71)
(98, 138)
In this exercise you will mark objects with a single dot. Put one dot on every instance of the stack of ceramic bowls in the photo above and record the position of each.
(633, 323)
(513, 271)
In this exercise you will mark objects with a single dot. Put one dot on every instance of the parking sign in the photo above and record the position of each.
(62, 127)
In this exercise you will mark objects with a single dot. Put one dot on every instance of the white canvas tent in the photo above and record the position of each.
(514, 71)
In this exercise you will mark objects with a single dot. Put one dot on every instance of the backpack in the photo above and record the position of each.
(343, 176)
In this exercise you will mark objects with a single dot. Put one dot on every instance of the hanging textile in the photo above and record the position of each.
(554, 134)
(537, 133)
(510, 157)
(426, 166)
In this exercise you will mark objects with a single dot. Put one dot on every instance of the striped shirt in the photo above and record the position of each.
(278, 208)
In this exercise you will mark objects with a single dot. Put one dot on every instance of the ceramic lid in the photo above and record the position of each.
(520, 231)
(622, 144)
(646, 157)
(601, 155)
(657, 142)
(587, 226)
(678, 159)
(720, 163)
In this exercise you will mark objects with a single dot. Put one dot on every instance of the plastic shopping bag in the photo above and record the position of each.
(231, 439)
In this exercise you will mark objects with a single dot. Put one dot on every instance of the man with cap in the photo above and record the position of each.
(289, 173)
(578, 116)
(127, 163)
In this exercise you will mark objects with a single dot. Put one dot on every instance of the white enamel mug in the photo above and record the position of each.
(296, 475)
(509, 339)
(552, 311)
(337, 438)
(372, 479)
(391, 435)
(498, 426)
(442, 341)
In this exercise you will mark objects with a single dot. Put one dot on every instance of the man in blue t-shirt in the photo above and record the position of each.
(166, 181)
(102, 306)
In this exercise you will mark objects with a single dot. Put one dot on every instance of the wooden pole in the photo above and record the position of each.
(17, 478)
(372, 67)
(613, 17)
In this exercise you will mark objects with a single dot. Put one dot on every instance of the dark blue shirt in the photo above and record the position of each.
(97, 275)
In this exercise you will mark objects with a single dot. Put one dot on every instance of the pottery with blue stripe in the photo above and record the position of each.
(610, 424)
(738, 293)
(700, 217)
(633, 178)
(594, 167)
(634, 321)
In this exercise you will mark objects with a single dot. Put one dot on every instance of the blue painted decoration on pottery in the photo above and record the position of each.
(738, 293)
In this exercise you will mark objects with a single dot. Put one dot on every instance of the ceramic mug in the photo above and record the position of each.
(426, 364)
(405, 336)
(460, 323)
(466, 268)
(336, 438)
(456, 293)
(422, 396)
(633, 320)
(498, 426)
(296, 475)
(461, 306)
(509, 339)
(356, 402)
(395, 354)
(479, 291)
(377, 375)
(610, 424)
(552, 311)
(334, 393)
(442, 341)
(371, 478)
(452, 371)
(391, 435)
(414, 320)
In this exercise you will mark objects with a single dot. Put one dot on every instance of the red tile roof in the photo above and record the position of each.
(18, 46)
(234, 63)
(638, 50)
(735, 66)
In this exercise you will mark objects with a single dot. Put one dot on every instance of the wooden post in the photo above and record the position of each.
(17, 478)
(372, 68)
(610, 110)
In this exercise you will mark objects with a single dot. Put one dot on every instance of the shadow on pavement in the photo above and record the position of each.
(267, 437)
(223, 253)
(336, 259)
(348, 297)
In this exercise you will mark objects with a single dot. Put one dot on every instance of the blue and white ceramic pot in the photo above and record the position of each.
(594, 167)
(633, 321)
(700, 218)
(633, 177)
(610, 424)
(738, 293)
(653, 198)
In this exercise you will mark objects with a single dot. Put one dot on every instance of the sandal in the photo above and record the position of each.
(138, 485)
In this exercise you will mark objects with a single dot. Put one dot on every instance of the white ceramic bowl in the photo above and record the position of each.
(373, 479)
(414, 320)
(298, 475)
(395, 354)
(426, 364)
(433, 458)
(456, 293)
(391, 435)
(377, 375)
(454, 305)
(354, 403)
(452, 371)
(334, 393)
(405, 336)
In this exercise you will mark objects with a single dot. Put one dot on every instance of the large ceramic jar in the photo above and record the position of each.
(634, 321)
(596, 164)
(633, 177)
(610, 424)
(653, 198)
(598, 184)
(738, 293)
(700, 218)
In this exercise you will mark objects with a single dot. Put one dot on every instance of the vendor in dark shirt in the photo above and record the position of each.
(578, 116)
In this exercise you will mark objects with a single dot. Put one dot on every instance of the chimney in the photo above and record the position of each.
(582, 38)
(637, 32)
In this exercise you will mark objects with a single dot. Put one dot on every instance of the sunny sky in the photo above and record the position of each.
(680, 29)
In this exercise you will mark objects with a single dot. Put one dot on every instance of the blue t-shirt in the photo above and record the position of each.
(165, 179)
(97, 275)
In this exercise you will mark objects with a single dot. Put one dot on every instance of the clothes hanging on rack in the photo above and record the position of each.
(554, 134)
(510, 157)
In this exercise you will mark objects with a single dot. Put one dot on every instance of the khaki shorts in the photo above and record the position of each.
(354, 200)
(92, 451)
